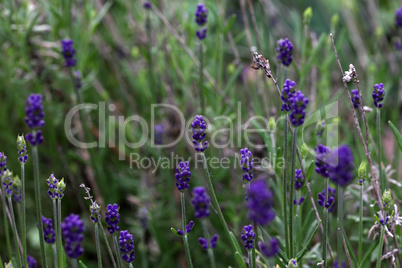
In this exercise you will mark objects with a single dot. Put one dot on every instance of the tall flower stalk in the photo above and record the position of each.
(183, 176)
(362, 179)
(341, 173)
(3, 168)
(22, 158)
(378, 97)
(201, 15)
(112, 218)
(7, 182)
(34, 119)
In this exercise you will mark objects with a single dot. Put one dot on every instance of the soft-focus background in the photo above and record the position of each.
(131, 65)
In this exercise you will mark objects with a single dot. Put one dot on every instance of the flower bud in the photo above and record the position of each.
(271, 124)
(386, 199)
(362, 172)
(304, 151)
(307, 15)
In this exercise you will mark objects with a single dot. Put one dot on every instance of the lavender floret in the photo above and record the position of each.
(112, 218)
(284, 51)
(322, 160)
(260, 203)
(72, 229)
(378, 95)
(126, 242)
(214, 241)
(200, 202)
(299, 179)
(198, 127)
(201, 15)
(183, 176)
(48, 231)
(355, 98)
(247, 164)
(68, 52)
(34, 118)
(342, 166)
(298, 105)
(248, 236)
(203, 242)
(288, 91)
(270, 248)
(398, 17)
(330, 204)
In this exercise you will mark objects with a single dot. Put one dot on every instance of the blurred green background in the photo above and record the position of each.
(131, 65)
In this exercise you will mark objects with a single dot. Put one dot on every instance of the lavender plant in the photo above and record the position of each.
(34, 119)
(201, 16)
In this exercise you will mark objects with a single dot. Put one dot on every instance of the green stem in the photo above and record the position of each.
(215, 202)
(360, 223)
(15, 233)
(254, 255)
(207, 237)
(285, 184)
(130, 265)
(24, 227)
(383, 181)
(144, 251)
(55, 225)
(292, 189)
(74, 263)
(54, 249)
(185, 240)
(38, 203)
(116, 248)
(3, 199)
(340, 221)
(98, 249)
(58, 233)
(325, 222)
(200, 85)
(250, 258)
(380, 248)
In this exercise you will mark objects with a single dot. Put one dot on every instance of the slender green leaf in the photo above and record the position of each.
(307, 245)
(240, 260)
(238, 249)
(82, 264)
(372, 247)
(101, 14)
(310, 170)
(398, 136)
(229, 24)
(350, 249)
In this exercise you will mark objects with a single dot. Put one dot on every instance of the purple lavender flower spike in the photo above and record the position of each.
(288, 91)
(189, 226)
(32, 262)
(52, 183)
(248, 236)
(126, 242)
(72, 229)
(158, 135)
(284, 51)
(200, 202)
(398, 45)
(147, 5)
(112, 218)
(201, 15)
(77, 80)
(247, 164)
(34, 118)
(330, 205)
(3, 161)
(22, 149)
(17, 193)
(355, 98)
(378, 95)
(48, 231)
(95, 212)
(342, 166)
(299, 179)
(398, 17)
(298, 105)
(214, 241)
(270, 248)
(68, 52)
(183, 176)
(198, 127)
(203, 242)
(322, 160)
(142, 216)
(201, 34)
(260, 202)
(8, 182)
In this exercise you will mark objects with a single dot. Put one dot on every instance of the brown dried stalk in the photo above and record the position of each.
(374, 179)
